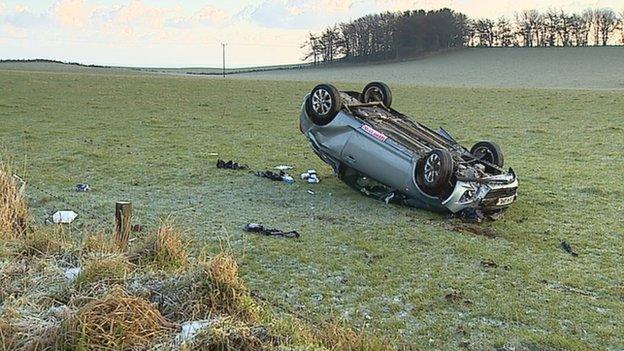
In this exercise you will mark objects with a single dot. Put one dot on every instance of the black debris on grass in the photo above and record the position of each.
(230, 165)
(259, 228)
(567, 248)
(272, 175)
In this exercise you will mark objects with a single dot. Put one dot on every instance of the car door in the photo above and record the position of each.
(371, 152)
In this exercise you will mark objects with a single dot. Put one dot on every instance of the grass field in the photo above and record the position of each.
(402, 273)
(576, 68)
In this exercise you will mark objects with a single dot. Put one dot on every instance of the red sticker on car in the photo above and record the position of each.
(375, 133)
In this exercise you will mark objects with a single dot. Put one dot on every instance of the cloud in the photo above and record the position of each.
(20, 16)
(207, 16)
(71, 13)
(297, 14)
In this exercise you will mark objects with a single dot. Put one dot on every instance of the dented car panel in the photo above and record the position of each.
(381, 143)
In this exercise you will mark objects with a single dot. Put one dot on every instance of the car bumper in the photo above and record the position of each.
(492, 195)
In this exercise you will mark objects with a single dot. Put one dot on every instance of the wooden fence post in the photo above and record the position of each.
(123, 223)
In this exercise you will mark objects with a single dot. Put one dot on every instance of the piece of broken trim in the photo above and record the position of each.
(283, 167)
(259, 228)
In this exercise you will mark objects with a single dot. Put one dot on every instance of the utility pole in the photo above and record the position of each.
(223, 45)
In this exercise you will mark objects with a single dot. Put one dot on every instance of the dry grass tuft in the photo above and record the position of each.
(225, 292)
(115, 322)
(104, 268)
(336, 337)
(163, 247)
(14, 218)
(8, 335)
(47, 241)
(209, 289)
(226, 334)
(99, 243)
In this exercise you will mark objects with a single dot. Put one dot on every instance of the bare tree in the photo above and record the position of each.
(606, 21)
(587, 21)
(504, 32)
(564, 29)
(622, 26)
(551, 24)
(312, 48)
(528, 22)
(484, 29)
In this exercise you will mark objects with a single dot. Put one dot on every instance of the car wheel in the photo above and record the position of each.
(434, 171)
(377, 92)
(488, 151)
(323, 104)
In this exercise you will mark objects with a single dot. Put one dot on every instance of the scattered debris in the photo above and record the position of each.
(82, 188)
(311, 192)
(259, 228)
(271, 175)
(310, 176)
(472, 215)
(213, 154)
(567, 248)
(230, 165)
(64, 217)
(281, 176)
(283, 167)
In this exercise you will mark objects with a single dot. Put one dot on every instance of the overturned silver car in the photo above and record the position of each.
(381, 152)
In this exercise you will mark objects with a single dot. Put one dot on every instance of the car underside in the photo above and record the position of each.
(383, 153)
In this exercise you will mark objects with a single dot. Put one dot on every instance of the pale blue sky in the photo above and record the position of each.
(188, 33)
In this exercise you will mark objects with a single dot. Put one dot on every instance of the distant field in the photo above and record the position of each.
(577, 68)
(565, 68)
(405, 274)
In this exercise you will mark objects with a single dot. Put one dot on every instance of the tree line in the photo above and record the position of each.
(392, 35)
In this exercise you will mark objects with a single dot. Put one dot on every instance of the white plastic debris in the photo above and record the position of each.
(288, 179)
(283, 167)
(310, 176)
(71, 273)
(190, 329)
(64, 217)
(310, 192)
(313, 179)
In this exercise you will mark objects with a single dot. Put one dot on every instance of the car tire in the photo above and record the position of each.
(489, 152)
(323, 104)
(434, 171)
(377, 92)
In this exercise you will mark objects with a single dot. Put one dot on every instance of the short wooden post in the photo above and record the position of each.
(123, 224)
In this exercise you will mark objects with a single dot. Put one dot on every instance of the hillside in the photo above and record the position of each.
(566, 68)
(576, 68)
